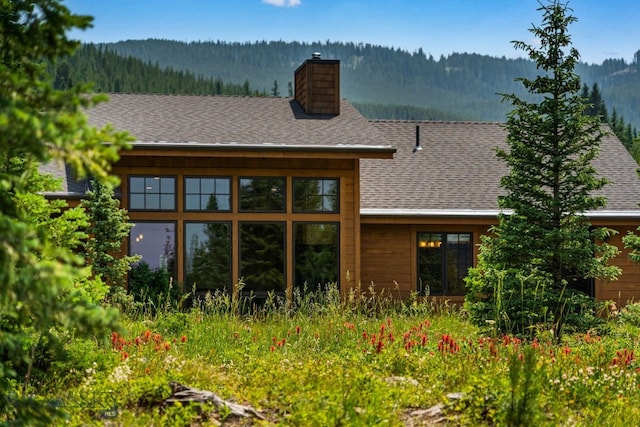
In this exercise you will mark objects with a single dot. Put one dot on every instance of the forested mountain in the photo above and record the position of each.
(458, 86)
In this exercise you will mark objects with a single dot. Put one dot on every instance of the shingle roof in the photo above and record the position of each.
(457, 173)
(179, 119)
(71, 187)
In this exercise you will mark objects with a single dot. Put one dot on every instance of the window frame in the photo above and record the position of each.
(200, 178)
(145, 193)
(321, 195)
(444, 262)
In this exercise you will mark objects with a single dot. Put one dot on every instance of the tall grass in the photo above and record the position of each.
(359, 358)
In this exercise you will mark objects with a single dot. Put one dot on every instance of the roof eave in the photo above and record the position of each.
(484, 213)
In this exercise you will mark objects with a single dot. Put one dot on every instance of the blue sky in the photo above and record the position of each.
(605, 29)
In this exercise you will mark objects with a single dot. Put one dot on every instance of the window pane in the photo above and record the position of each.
(152, 201)
(192, 185)
(155, 242)
(262, 256)
(222, 186)
(167, 185)
(192, 202)
(265, 194)
(136, 201)
(168, 202)
(315, 195)
(208, 256)
(136, 185)
(224, 203)
(443, 262)
(207, 186)
(316, 254)
(152, 185)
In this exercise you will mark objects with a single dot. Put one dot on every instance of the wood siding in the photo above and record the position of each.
(389, 258)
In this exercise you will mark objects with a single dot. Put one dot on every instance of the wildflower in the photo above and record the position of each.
(298, 330)
(272, 348)
(183, 338)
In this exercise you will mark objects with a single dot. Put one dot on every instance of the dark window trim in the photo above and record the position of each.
(175, 193)
(421, 288)
(316, 178)
(229, 177)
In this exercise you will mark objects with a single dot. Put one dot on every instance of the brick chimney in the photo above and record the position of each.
(317, 85)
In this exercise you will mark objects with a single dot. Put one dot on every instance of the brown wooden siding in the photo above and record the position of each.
(388, 248)
(344, 169)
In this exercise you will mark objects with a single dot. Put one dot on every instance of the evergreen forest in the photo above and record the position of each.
(382, 82)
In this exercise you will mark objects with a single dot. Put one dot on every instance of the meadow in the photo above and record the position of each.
(360, 360)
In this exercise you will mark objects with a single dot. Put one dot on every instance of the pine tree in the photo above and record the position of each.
(544, 241)
(109, 227)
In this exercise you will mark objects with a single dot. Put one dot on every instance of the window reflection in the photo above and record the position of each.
(262, 194)
(208, 255)
(155, 242)
(316, 254)
(262, 256)
(315, 195)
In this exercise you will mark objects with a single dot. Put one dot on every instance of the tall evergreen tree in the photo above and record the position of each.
(544, 241)
(109, 226)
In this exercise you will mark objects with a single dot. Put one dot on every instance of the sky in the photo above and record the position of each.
(605, 28)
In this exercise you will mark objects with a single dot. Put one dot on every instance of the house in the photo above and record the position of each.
(285, 193)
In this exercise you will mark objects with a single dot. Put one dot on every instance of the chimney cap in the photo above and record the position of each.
(316, 55)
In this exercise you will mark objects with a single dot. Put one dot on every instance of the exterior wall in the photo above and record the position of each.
(627, 288)
(344, 169)
(389, 251)
(389, 258)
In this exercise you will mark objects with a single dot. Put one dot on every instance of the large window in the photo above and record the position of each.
(155, 242)
(443, 261)
(316, 252)
(207, 194)
(262, 194)
(315, 195)
(262, 256)
(155, 193)
(208, 255)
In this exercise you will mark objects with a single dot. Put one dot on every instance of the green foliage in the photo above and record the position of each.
(41, 279)
(109, 226)
(546, 237)
(154, 287)
(110, 72)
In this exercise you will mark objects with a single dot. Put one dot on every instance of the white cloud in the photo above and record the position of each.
(283, 3)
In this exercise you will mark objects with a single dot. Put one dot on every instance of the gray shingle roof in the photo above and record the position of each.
(71, 187)
(457, 171)
(180, 119)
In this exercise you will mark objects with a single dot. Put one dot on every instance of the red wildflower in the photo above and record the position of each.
(183, 338)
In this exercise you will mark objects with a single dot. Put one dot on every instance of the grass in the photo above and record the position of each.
(359, 361)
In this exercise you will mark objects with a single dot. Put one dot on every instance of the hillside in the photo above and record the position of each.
(460, 86)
